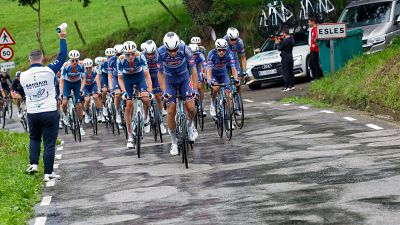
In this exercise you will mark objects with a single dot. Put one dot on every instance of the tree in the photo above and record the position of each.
(35, 5)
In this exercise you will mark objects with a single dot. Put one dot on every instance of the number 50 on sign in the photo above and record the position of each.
(6, 53)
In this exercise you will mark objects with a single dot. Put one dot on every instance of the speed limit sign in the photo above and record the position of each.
(6, 53)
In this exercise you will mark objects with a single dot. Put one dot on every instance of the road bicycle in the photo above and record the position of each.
(182, 130)
(319, 9)
(199, 120)
(93, 114)
(111, 119)
(223, 118)
(238, 110)
(73, 119)
(138, 119)
(155, 120)
(24, 116)
(279, 16)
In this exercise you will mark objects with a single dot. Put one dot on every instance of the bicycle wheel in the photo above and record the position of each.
(184, 142)
(4, 114)
(238, 112)
(73, 125)
(115, 119)
(220, 119)
(228, 120)
(77, 126)
(111, 118)
(153, 123)
(138, 133)
(94, 119)
(201, 117)
(196, 117)
(10, 109)
(24, 123)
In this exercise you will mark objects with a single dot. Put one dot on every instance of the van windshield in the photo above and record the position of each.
(365, 15)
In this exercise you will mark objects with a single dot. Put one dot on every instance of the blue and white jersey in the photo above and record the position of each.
(152, 63)
(200, 60)
(72, 73)
(218, 64)
(112, 66)
(90, 78)
(137, 65)
(203, 50)
(103, 67)
(178, 65)
(238, 48)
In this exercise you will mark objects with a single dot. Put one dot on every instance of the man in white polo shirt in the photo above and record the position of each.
(39, 86)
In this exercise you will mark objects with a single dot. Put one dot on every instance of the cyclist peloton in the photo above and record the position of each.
(201, 63)
(113, 80)
(71, 78)
(236, 46)
(174, 77)
(151, 54)
(133, 71)
(219, 59)
(17, 92)
(89, 86)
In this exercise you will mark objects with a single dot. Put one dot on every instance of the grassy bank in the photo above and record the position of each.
(367, 82)
(19, 192)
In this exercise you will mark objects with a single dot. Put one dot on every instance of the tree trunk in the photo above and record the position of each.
(39, 34)
(196, 7)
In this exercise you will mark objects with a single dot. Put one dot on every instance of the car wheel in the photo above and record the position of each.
(310, 76)
(255, 86)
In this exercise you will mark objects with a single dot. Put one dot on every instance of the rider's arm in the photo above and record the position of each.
(120, 70)
(13, 88)
(83, 82)
(209, 67)
(61, 85)
(110, 74)
(232, 64)
(145, 68)
(160, 74)
(62, 55)
(192, 66)
(3, 93)
(242, 54)
(98, 82)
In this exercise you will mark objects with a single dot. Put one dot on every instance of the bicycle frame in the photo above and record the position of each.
(138, 110)
(305, 8)
(326, 6)
(275, 14)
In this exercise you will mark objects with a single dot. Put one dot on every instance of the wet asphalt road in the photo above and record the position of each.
(288, 165)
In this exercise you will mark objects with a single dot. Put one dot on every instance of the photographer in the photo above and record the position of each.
(41, 104)
(286, 47)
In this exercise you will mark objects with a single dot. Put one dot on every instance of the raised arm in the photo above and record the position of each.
(62, 55)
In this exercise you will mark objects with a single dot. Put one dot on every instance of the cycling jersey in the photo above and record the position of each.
(236, 49)
(219, 66)
(17, 87)
(202, 49)
(125, 67)
(153, 69)
(103, 67)
(200, 60)
(90, 78)
(72, 74)
(5, 82)
(112, 69)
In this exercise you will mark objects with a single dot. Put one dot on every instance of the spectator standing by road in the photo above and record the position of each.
(41, 104)
(285, 46)
(314, 50)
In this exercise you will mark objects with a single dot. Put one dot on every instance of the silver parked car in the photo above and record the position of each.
(379, 19)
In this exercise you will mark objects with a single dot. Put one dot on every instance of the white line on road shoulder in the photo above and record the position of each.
(58, 156)
(248, 100)
(50, 183)
(40, 220)
(286, 104)
(55, 166)
(46, 201)
(373, 126)
(327, 111)
(60, 148)
(304, 107)
(266, 103)
(349, 118)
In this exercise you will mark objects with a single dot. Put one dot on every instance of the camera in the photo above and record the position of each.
(62, 27)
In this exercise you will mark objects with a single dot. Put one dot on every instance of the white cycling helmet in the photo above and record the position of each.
(109, 52)
(74, 54)
(150, 46)
(87, 63)
(118, 48)
(195, 40)
(98, 60)
(232, 33)
(171, 41)
(142, 46)
(194, 48)
(129, 47)
(18, 74)
(3, 70)
(221, 44)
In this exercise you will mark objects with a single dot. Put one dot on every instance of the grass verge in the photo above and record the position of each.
(19, 192)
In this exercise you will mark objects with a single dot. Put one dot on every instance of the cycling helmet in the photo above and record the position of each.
(18, 74)
(110, 52)
(3, 70)
(194, 48)
(232, 33)
(74, 54)
(183, 42)
(129, 47)
(118, 48)
(195, 40)
(171, 41)
(150, 46)
(221, 44)
(87, 63)
(142, 46)
(98, 60)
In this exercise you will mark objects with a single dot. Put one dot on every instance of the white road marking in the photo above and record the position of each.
(46, 201)
(349, 118)
(327, 111)
(50, 183)
(62, 142)
(373, 126)
(304, 107)
(55, 166)
(266, 103)
(40, 220)
(60, 148)
(58, 156)
(287, 104)
(248, 100)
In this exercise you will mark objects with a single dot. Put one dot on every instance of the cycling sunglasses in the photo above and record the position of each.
(150, 54)
(129, 55)
(221, 50)
(74, 60)
(233, 39)
(172, 51)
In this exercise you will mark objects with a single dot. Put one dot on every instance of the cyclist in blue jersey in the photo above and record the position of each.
(197, 41)
(151, 54)
(71, 77)
(115, 89)
(201, 64)
(236, 45)
(90, 84)
(17, 92)
(174, 78)
(133, 71)
(219, 59)
(103, 71)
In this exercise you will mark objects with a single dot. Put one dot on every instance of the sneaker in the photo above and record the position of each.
(82, 131)
(105, 112)
(147, 125)
(118, 118)
(164, 112)
(292, 88)
(174, 149)
(66, 120)
(19, 114)
(130, 144)
(163, 129)
(212, 110)
(233, 125)
(52, 176)
(60, 124)
(192, 134)
(204, 114)
(87, 119)
(238, 112)
(32, 169)
(286, 90)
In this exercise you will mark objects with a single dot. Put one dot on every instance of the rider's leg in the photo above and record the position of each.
(128, 116)
(87, 102)
(171, 108)
(97, 101)
(159, 101)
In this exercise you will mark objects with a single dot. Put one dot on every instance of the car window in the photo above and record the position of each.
(397, 10)
(366, 15)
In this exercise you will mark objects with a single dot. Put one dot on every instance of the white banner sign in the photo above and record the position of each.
(331, 31)
(7, 65)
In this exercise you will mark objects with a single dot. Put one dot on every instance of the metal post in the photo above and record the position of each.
(169, 11)
(126, 17)
(79, 32)
(331, 44)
